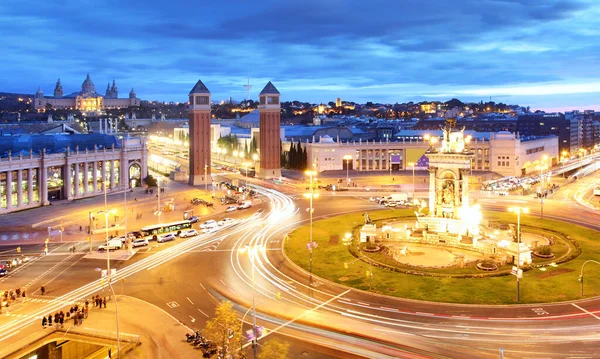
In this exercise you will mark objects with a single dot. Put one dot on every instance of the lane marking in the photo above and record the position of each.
(192, 319)
(363, 303)
(190, 300)
(206, 315)
(588, 312)
(223, 282)
(202, 286)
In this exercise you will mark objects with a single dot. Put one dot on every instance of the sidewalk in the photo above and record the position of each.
(31, 226)
(161, 336)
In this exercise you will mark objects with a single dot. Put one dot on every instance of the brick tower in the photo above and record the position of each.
(270, 113)
(199, 115)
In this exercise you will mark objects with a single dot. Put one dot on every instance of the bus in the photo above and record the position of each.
(158, 229)
(597, 191)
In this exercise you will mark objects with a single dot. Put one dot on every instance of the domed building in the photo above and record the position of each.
(87, 99)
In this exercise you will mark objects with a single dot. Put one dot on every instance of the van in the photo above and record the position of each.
(112, 244)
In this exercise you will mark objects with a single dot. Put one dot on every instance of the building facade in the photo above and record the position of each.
(85, 100)
(546, 124)
(37, 177)
(504, 153)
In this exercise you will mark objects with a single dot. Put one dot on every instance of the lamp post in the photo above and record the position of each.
(518, 211)
(310, 195)
(390, 164)
(412, 164)
(252, 251)
(347, 158)
(158, 211)
(235, 156)
(562, 162)
(542, 167)
(106, 212)
(206, 178)
(581, 274)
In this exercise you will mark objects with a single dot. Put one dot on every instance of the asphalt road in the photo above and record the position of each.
(333, 321)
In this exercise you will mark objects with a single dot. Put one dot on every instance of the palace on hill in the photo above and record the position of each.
(85, 100)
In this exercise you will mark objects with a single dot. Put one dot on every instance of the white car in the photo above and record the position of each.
(188, 233)
(166, 237)
(231, 209)
(111, 245)
(139, 242)
(209, 223)
(210, 229)
(226, 222)
(244, 206)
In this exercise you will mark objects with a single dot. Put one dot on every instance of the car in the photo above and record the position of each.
(226, 222)
(140, 242)
(391, 204)
(3, 271)
(244, 206)
(210, 229)
(25, 259)
(231, 209)
(188, 233)
(136, 234)
(166, 237)
(193, 219)
(209, 223)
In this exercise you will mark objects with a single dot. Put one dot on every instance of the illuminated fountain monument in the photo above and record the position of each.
(449, 167)
(451, 233)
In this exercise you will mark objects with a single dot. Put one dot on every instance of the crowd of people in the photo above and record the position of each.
(11, 296)
(77, 313)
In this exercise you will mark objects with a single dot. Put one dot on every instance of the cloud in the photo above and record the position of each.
(314, 50)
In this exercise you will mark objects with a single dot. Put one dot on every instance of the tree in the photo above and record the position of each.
(274, 349)
(150, 181)
(304, 158)
(225, 329)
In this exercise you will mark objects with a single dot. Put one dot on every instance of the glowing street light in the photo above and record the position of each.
(310, 195)
(518, 211)
(347, 158)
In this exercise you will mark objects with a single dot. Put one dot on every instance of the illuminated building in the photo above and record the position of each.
(85, 100)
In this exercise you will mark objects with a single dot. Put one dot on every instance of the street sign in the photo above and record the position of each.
(517, 272)
(104, 272)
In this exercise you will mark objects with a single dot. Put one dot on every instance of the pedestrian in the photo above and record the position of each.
(85, 312)
(23, 294)
(87, 304)
(57, 320)
(62, 322)
(135, 199)
(18, 291)
(68, 315)
(43, 290)
(49, 320)
(71, 310)
(104, 302)
(80, 228)
(44, 322)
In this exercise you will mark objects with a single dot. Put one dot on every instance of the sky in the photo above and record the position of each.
(539, 53)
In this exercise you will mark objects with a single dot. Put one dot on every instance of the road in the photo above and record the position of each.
(189, 277)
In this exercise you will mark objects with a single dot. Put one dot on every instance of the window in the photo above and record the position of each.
(201, 100)
(262, 100)
(272, 100)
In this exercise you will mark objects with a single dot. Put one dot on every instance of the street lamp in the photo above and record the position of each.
(310, 195)
(543, 193)
(412, 164)
(235, 155)
(252, 251)
(581, 274)
(158, 211)
(106, 212)
(206, 178)
(347, 158)
(518, 211)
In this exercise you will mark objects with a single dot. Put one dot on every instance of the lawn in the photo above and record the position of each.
(554, 284)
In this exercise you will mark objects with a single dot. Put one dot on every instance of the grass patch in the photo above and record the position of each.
(573, 246)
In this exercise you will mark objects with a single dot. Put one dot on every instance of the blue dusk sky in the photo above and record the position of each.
(538, 53)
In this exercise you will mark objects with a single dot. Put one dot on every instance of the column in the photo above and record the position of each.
(86, 177)
(9, 189)
(465, 187)
(112, 174)
(432, 171)
(30, 185)
(95, 176)
(103, 174)
(377, 159)
(76, 181)
(67, 180)
(19, 188)
(43, 185)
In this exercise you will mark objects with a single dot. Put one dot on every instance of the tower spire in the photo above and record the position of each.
(248, 87)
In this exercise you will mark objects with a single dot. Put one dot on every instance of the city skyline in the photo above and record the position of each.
(536, 53)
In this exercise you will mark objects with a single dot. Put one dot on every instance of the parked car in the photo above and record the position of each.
(140, 242)
(194, 219)
(3, 271)
(166, 237)
(209, 223)
(188, 233)
(136, 234)
(225, 222)
(231, 209)
(244, 206)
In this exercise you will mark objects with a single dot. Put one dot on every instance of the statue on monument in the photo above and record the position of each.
(367, 218)
(448, 197)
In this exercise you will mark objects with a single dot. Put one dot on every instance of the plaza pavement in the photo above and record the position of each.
(160, 335)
